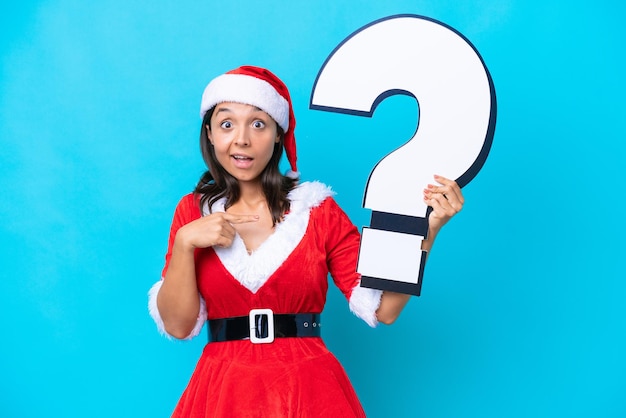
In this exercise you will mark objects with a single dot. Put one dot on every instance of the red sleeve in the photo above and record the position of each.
(186, 211)
(342, 246)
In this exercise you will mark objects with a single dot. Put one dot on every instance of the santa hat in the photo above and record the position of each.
(257, 87)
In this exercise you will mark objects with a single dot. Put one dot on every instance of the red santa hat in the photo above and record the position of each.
(257, 87)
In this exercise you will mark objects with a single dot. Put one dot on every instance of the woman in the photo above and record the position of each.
(251, 250)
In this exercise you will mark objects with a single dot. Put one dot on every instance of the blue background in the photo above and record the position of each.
(522, 311)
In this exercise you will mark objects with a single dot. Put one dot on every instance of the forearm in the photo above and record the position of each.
(392, 303)
(427, 243)
(178, 301)
(446, 200)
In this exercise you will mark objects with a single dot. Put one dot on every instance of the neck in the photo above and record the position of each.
(251, 193)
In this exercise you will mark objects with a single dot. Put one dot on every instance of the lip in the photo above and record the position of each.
(242, 160)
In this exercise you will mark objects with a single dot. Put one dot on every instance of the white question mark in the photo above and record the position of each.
(430, 61)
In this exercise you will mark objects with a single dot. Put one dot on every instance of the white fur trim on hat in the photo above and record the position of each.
(156, 315)
(240, 88)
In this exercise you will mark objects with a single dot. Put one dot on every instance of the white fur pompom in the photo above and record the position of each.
(293, 174)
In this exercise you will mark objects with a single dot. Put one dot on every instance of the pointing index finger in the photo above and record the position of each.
(240, 218)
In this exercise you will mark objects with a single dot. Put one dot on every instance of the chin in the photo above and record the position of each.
(246, 179)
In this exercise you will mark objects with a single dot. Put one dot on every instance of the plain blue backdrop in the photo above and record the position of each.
(522, 311)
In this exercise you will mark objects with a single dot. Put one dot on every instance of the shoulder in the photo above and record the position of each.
(188, 201)
(315, 201)
(309, 195)
(188, 207)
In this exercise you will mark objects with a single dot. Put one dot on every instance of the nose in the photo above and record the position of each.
(243, 137)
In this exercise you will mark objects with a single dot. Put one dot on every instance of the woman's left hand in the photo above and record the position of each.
(446, 200)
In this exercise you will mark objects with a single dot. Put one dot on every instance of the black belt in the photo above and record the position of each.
(262, 326)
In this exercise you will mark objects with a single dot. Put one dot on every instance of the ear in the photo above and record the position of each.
(277, 138)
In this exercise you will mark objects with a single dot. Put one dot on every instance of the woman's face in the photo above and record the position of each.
(243, 138)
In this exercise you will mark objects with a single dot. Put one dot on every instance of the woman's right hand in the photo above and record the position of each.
(215, 229)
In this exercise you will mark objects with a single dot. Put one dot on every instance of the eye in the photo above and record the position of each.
(226, 124)
(259, 124)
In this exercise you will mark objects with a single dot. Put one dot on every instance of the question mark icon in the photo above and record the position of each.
(433, 63)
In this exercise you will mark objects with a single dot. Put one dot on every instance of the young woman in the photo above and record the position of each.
(251, 249)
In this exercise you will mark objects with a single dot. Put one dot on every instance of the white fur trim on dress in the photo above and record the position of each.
(253, 270)
(364, 303)
(155, 314)
(246, 89)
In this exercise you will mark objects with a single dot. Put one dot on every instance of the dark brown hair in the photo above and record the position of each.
(217, 183)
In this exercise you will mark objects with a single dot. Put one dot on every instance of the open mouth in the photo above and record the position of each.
(242, 158)
(242, 161)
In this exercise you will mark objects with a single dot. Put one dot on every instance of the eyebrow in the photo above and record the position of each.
(222, 109)
(226, 109)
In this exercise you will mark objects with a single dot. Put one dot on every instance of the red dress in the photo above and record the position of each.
(291, 377)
